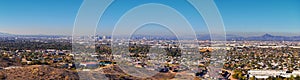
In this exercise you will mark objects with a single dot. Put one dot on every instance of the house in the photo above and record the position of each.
(105, 63)
(60, 53)
(89, 64)
(57, 60)
(24, 61)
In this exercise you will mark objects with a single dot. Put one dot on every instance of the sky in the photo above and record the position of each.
(56, 17)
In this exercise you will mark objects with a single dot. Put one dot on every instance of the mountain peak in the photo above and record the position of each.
(267, 35)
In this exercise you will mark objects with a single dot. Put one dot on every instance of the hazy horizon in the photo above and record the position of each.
(56, 17)
(240, 34)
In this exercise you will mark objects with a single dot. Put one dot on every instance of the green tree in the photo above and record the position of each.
(252, 78)
(297, 77)
(292, 77)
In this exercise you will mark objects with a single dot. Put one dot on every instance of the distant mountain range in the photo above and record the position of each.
(229, 37)
(17, 35)
(5, 34)
(265, 37)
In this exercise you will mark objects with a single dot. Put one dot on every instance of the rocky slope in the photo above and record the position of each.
(38, 73)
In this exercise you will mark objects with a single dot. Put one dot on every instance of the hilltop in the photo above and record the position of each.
(37, 72)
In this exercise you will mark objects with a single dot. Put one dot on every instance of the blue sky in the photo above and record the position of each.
(57, 16)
